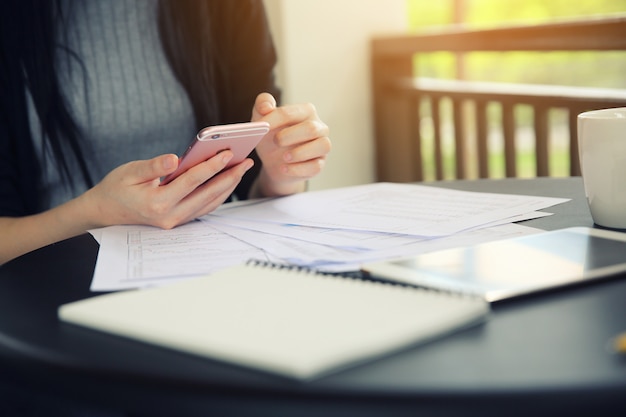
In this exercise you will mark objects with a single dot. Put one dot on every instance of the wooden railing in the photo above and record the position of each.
(398, 96)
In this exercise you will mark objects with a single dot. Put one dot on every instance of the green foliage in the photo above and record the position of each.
(561, 68)
(564, 68)
(496, 12)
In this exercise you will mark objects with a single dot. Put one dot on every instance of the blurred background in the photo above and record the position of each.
(324, 58)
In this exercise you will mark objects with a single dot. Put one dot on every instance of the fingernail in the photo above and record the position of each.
(267, 107)
(249, 164)
(226, 157)
(168, 162)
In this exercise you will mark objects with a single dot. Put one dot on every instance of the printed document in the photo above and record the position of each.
(333, 231)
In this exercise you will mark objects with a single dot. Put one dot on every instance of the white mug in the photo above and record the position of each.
(602, 152)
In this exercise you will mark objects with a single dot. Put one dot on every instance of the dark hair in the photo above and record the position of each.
(220, 50)
(188, 38)
(31, 63)
(222, 53)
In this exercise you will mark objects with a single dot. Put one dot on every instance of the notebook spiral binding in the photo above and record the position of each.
(305, 269)
(358, 275)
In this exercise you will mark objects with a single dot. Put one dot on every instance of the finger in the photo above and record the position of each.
(301, 132)
(216, 201)
(151, 169)
(317, 148)
(304, 170)
(285, 116)
(212, 194)
(208, 208)
(263, 105)
(194, 177)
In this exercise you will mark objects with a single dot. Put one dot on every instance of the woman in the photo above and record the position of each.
(88, 86)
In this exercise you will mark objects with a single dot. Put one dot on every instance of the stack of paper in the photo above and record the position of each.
(332, 230)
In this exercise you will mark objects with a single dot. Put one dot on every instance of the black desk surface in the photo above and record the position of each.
(541, 355)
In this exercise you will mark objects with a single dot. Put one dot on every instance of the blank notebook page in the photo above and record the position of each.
(285, 321)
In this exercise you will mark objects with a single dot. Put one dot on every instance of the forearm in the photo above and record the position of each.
(20, 235)
(130, 194)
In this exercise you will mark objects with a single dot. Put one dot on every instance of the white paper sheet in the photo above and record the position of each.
(333, 230)
(351, 240)
(411, 209)
(333, 259)
(143, 256)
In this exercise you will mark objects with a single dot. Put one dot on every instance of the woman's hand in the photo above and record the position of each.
(295, 149)
(132, 194)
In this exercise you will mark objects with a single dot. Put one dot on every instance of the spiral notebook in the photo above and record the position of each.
(285, 321)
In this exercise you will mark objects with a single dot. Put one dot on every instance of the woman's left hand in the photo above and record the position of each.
(293, 151)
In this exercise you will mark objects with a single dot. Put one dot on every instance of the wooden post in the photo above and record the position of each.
(394, 146)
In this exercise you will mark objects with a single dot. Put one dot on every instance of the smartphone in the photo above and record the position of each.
(513, 267)
(240, 138)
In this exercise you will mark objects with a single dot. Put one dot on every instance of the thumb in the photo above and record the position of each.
(264, 104)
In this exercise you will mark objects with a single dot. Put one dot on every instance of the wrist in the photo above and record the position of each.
(84, 212)
(264, 186)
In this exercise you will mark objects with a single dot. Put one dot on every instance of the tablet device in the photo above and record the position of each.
(508, 268)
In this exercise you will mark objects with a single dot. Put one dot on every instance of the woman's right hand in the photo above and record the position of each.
(132, 194)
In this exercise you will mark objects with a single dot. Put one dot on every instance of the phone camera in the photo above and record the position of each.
(216, 136)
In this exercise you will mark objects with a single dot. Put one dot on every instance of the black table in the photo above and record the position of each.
(544, 354)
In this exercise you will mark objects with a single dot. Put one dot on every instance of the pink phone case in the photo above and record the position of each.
(240, 138)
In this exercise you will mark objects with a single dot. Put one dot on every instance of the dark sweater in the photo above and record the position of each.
(25, 185)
